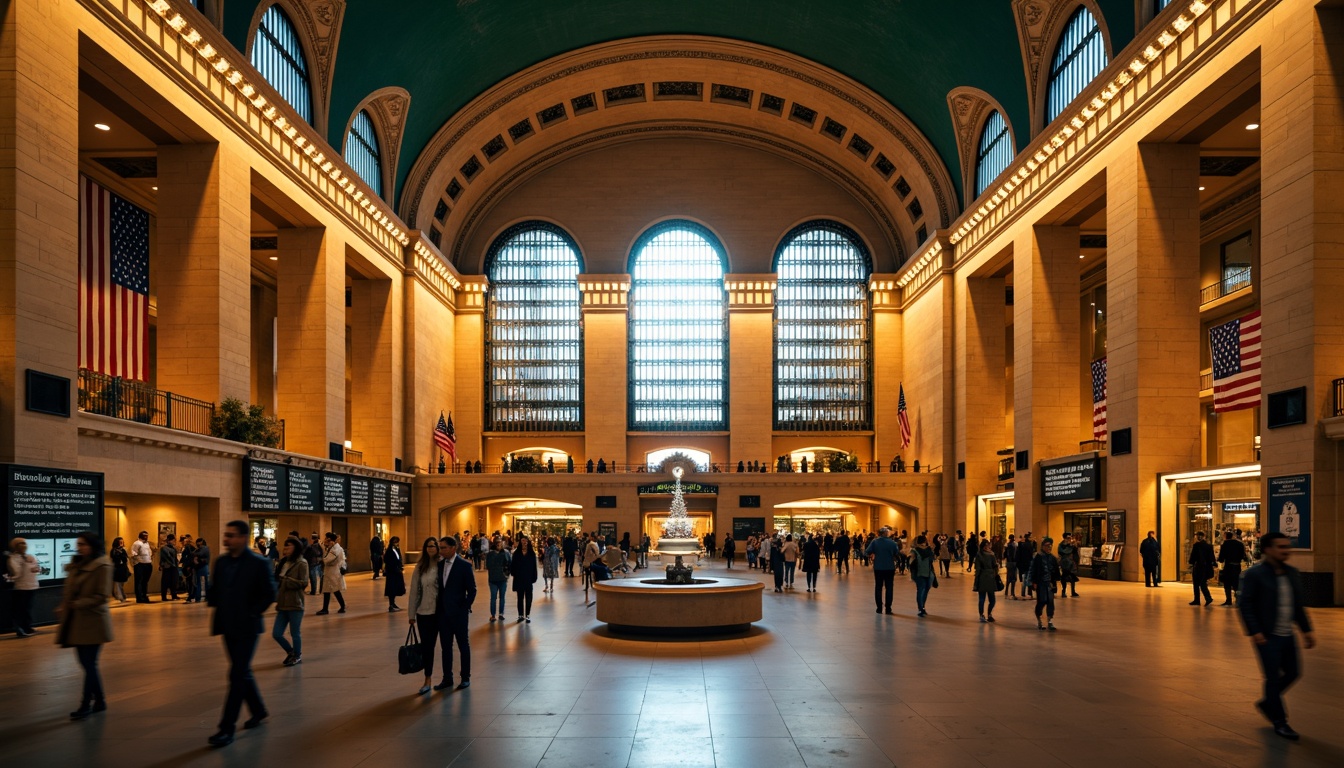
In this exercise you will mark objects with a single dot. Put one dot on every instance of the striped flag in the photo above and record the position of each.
(445, 437)
(1235, 348)
(903, 416)
(1099, 399)
(113, 284)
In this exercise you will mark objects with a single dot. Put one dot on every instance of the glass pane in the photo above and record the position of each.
(361, 152)
(278, 56)
(1079, 57)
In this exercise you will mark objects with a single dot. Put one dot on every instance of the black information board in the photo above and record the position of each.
(378, 497)
(272, 487)
(665, 488)
(265, 486)
(335, 493)
(747, 526)
(50, 508)
(1075, 481)
(359, 496)
(400, 503)
(305, 490)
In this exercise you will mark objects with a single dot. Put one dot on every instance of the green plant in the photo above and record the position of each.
(235, 420)
(842, 462)
(526, 464)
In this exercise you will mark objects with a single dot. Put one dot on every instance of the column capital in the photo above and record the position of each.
(751, 293)
(885, 291)
(605, 293)
(471, 295)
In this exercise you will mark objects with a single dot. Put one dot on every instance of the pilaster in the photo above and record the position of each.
(606, 372)
(376, 381)
(981, 367)
(887, 354)
(311, 319)
(469, 351)
(751, 305)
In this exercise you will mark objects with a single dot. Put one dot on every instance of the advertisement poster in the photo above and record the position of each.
(1290, 508)
(50, 507)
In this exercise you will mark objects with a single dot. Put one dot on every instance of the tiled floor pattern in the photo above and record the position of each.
(1134, 677)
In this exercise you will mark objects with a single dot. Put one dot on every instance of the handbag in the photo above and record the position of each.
(935, 580)
(411, 656)
(998, 583)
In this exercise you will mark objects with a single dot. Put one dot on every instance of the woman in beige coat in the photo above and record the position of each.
(86, 620)
(333, 574)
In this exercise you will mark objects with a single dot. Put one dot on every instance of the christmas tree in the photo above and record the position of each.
(678, 525)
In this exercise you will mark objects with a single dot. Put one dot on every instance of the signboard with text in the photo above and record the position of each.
(1071, 482)
(273, 487)
(660, 489)
(1290, 508)
(50, 508)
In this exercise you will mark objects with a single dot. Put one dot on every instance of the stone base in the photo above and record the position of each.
(710, 606)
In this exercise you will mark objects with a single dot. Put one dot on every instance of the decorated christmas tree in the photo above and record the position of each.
(678, 525)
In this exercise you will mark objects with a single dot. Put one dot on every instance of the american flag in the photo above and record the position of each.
(1099, 399)
(1235, 347)
(445, 437)
(113, 284)
(903, 416)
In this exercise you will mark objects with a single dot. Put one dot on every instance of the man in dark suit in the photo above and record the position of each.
(1271, 603)
(457, 591)
(242, 590)
(1201, 567)
(1150, 551)
(570, 546)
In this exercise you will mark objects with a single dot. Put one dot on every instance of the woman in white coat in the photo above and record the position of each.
(333, 574)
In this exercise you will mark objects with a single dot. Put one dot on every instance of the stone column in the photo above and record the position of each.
(376, 371)
(980, 367)
(469, 351)
(751, 304)
(1302, 261)
(1045, 360)
(311, 319)
(203, 272)
(606, 372)
(1153, 329)
(39, 220)
(887, 369)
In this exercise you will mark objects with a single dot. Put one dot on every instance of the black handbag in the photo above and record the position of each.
(411, 656)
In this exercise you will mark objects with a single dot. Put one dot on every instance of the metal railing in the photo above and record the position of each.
(1007, 469)
(133, 401)
(1230, 284)
(1339, 397)
(353, 456)
(724, 468)
(1205, 380)
(1092, 445)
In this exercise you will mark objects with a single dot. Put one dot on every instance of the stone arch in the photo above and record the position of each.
(387, 108)
(1039, 26)
(970, 109)
(318, 24)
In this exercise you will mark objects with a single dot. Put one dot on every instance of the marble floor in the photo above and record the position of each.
(1133, 677)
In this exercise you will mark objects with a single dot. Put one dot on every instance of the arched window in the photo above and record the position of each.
(533, 341)
(361, 152)
(1079, 57)
(822, 341)
(994, 153)
(278, 56)
(678, 367)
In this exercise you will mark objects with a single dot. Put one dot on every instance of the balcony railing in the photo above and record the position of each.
(1339, 397)
(725, 468)
(133, 401)
(1205, 380)
(1007, 469)
(1230, 284)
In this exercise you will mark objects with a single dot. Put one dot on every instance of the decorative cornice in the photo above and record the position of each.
(605, 293)
(471, 295)
(751, 293)
(885, 292)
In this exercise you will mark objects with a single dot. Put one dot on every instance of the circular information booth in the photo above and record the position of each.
(655, 607)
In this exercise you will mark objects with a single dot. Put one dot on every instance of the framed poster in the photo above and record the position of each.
(166, 529)
(1290, 508)
(607, 531)
(1115, 525)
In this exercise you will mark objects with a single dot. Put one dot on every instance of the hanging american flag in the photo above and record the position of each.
(445, 437)
(1235, 347)
(1099, 399)
(903, 417)
(113, 284)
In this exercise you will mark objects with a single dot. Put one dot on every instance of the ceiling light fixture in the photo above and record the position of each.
(102, 126)
(156, 189)
(275, 258)
(1082, 256)
(1253, 126)
(1201, 189)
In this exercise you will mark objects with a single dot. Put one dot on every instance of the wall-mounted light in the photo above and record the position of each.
(102, 126)
(347, 445)
(1253, 126)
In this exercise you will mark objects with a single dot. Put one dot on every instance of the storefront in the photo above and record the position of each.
(1212, 502)
(994, 515)
(539, 527)
(815, 523)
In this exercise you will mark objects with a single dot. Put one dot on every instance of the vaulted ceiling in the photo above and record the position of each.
(910, 52)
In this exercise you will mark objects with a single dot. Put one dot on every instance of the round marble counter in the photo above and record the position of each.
(712, 605)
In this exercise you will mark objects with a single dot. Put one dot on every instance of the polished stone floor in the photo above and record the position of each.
(1134, 677)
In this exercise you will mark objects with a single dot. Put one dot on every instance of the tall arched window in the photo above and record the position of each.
(994, 153)
(1079, 57)
(361, 152)
(678, 366)
(823, 347)
(534, 342)
(278, 56)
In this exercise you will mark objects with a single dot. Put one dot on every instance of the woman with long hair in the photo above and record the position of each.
(923, 571)
(86, 619)
(394, 582)
(551, 564)
(291, 579)
(423, 602)
(523, 568)
(121, 567)
(986, 579)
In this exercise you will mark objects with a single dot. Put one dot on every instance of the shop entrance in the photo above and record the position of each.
(995, 515)
(539, 527)
(814, 524)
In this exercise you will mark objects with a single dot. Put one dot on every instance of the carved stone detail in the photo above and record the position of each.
(319, 26)
(387, 108)
(970, 107)
(1038, 28)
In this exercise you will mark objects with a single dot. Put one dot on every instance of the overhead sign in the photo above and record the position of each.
(272, 487)
(265, 486)
(1290, 508)
(665, 489)
(1071, 481)
(50, 508)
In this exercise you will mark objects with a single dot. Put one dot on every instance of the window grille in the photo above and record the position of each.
(823, 346)
(534, 338)
(678, 365)
(361, 152)
(995, 152)
(1079, 57)
(278, 56)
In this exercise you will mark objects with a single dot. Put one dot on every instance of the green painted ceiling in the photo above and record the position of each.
(447, 52)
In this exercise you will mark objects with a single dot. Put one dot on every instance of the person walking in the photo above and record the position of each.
(550, 564)
(1068, 566)
(945, 549)
(423, 602)
(883, 552)
(777, 562)
(1026, 552)
(811, 561)
(86, 619)
(591, 552)
(842, 547)
(790, 549)
(1272, 601)
(987, 582)
(828, 547)
(1231, 555)
(569, 547)
(241, 592)
(313, 554)
(121, 567)
(1010, 566)
(752, 549)
(376, 550)
(1202, 564)
(291, 577)
(523, 569)
(923, 572)
(1043, 575)
(729, 549)
(168, 569)
(457, 591)
(142, 563)
(497, 576)
(201, 573)
(333, 574)
(21, 572)
(187, 566)
(394, 581)
(1150, 551)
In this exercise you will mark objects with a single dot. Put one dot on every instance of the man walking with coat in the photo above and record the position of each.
(457, 591)
(242, 590)
(1151, 553)
(1271, 603)
(1201, 567)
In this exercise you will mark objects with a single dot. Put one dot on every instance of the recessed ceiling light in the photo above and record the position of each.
(275, 258)
(102, 126)
(1201, 189)
(156, 189)
(1253, 127)
(1082, 256)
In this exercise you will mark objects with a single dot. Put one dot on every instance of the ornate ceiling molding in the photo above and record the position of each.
(1039, 25)
(970, 108)
(693, 85)
(319, 25)
(387, 108)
